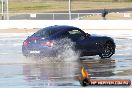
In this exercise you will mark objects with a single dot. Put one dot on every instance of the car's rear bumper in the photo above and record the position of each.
(43, 52)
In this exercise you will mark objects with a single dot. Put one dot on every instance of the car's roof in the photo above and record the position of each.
(60, 27)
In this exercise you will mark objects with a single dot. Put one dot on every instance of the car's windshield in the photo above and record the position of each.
(46, 32)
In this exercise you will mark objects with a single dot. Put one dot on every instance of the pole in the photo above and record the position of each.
(69, 10)
(7, 9)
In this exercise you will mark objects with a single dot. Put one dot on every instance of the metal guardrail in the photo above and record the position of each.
(45, 16)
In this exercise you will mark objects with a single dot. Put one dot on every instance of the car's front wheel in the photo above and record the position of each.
(108, 50)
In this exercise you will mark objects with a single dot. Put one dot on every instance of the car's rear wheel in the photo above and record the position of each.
(108, 50)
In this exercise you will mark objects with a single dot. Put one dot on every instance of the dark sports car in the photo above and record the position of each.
(44, 41)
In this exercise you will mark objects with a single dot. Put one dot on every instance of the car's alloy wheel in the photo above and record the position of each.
(108, 50)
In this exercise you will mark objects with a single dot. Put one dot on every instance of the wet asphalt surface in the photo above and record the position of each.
(16, 71)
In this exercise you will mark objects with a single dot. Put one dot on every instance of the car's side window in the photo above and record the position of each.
(65, 35)
(76, 35)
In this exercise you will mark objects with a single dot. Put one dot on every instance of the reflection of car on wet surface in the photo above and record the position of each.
(43, 42)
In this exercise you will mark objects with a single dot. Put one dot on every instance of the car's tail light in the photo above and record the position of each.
(34, 38)
(48, 43)
(25, 43)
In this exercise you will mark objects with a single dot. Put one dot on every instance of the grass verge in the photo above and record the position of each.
(52, 6)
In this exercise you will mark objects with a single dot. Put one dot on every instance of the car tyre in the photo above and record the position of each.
(108, 50)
